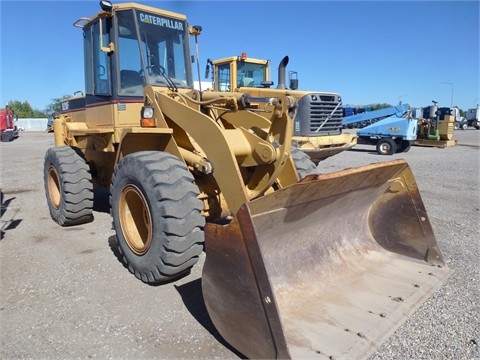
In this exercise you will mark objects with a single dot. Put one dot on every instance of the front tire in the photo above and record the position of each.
(304, 165)
(68, 186)
(386, 147)
(156, 215)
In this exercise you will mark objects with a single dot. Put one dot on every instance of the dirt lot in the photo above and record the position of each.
(65, 294)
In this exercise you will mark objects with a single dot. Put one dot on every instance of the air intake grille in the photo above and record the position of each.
(319, 115)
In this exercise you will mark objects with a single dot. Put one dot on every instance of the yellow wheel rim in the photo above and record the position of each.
(135, 219)
(53, 183)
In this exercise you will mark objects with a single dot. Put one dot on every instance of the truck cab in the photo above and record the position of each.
(8, 129)
(473, 118)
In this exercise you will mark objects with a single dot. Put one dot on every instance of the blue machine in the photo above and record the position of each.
(390, 129)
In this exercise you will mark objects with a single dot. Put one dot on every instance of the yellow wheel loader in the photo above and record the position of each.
(317, 116)
(324, 266)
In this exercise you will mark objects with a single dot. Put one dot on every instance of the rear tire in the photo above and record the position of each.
(156, 215)
(406, 145)
(68, 186)
(302, 162)
(403, 146)
(386, 147)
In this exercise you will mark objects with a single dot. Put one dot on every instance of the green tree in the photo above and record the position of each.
(55, 106)
(38, 114)
(21, 109)
(24, 110)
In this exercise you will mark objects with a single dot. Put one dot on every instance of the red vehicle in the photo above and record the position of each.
(9, 130)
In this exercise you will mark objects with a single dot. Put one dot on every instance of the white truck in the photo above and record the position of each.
(473, 117)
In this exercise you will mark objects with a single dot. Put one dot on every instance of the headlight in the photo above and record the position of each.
(147, 119)
(147, 112)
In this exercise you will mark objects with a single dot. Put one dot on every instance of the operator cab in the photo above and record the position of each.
(129, 46)
(245, 72)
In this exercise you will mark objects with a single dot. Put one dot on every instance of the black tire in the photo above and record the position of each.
(403, 146)
(304, 165)
(406, 145)
(68, 186)
(464, 126)
(156, 215)
(386, 147)
(456, 125)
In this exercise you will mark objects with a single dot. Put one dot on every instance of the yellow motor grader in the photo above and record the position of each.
(323, 266)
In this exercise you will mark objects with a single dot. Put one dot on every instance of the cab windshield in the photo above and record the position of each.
(249, 74)
(151, 49)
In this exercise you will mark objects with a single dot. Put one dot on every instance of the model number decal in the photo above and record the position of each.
(297, 125)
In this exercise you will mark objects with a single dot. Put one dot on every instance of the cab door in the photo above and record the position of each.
(98, 74)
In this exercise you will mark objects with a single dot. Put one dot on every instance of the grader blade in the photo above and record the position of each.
(326, 268)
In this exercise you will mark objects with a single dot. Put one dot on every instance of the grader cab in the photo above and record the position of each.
(294, 267)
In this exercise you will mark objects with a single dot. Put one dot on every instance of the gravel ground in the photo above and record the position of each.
(65, 295)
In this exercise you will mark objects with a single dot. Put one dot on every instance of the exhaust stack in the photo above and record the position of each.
(281, 73)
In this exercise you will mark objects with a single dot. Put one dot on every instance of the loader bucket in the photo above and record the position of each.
(326, 268)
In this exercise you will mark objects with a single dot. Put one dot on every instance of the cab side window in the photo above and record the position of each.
(88, 54)
(223, 76)
(97, 62)
(101, 61)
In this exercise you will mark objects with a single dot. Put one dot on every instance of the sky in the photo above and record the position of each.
(368, 51)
